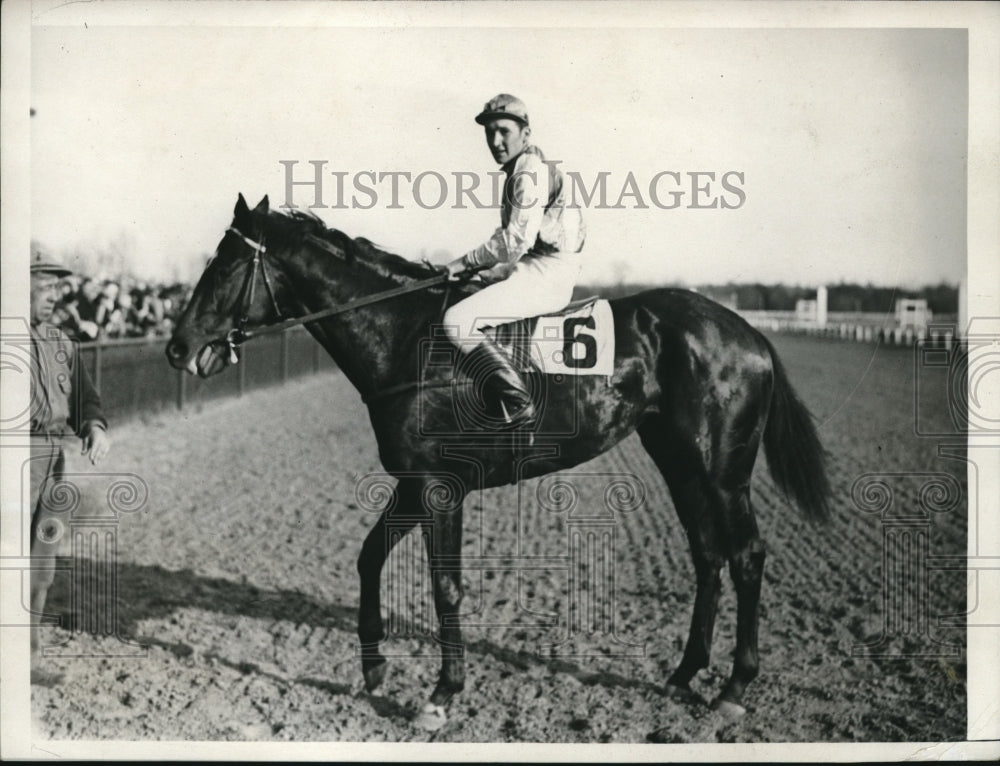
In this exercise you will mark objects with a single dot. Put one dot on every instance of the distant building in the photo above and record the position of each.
(912, 312)
(805, 310)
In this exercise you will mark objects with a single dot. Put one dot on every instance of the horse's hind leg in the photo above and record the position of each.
(681, 468)
(405, 511)
(738, 439)
(708, 560)
(711, 490)
(746, 567)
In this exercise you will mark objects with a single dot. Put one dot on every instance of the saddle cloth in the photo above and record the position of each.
(579, 340)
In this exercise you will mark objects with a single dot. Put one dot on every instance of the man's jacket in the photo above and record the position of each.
(63, 397)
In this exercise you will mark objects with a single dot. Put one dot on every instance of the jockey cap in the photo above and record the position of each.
(504, 106)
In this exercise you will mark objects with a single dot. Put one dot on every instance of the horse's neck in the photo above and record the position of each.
(361, 341)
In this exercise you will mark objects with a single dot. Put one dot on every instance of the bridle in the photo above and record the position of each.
(257, 265)
(242, 333)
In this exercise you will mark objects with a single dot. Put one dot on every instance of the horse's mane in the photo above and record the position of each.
(289, 228)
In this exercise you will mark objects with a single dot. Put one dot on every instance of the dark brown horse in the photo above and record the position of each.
(701, 387)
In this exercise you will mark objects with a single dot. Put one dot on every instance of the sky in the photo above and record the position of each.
(848, 146)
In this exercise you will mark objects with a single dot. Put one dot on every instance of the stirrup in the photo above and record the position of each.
(522, 422)
(503, 384)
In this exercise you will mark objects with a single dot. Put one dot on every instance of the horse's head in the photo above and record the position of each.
(237, 289)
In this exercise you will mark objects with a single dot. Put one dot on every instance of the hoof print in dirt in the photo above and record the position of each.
(729, 709)
(579, 724)
(46, 678)
(431, 717)
(665, 736)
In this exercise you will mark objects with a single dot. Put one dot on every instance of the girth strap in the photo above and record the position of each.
(401, 388)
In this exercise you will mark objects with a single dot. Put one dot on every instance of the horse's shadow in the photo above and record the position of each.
(154, 593)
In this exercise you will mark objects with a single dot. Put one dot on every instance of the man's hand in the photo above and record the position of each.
(455, 268)
(96, 444)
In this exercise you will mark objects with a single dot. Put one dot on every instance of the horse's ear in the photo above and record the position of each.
(262, 206)
(242, 210)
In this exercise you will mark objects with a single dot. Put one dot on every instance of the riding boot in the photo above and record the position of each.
(488, 360)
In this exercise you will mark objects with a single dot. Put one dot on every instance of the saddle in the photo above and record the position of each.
(573, 306)
(515, 336)
(579, 339)
(576, 340)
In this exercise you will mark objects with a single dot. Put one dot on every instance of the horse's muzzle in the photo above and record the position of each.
(177, 353)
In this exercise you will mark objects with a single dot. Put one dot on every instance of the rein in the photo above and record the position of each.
(240, 334)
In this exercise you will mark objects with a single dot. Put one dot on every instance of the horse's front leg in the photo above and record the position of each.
(405, 511)
(444, 551)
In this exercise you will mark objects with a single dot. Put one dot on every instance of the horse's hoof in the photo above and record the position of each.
(374, 674)
(729, 709)
(683, 694)
(431, 717)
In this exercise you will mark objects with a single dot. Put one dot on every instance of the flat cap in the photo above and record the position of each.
(504, 106)
(43, 264)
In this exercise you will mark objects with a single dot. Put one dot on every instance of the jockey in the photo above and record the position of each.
(531, 258)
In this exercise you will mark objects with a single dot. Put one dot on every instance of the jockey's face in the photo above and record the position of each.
(506, 139)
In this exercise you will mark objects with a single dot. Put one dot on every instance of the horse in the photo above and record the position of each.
(701, 387)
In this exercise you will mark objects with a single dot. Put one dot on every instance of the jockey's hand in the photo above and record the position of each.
(96, 444)
(456, 268)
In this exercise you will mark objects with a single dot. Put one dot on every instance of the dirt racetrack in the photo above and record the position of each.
(238, 576)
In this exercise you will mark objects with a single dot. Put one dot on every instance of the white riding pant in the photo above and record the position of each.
(537, 285)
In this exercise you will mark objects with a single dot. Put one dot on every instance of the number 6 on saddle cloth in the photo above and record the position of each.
(579, 340)
(550, 350)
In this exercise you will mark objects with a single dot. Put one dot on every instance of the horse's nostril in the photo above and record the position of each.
(177, 349)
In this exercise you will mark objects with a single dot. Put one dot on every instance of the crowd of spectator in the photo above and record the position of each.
(94, 310)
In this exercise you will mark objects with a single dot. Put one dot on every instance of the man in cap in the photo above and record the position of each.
(63, 401)
(531, 258)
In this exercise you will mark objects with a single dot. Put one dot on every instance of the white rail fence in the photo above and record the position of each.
(911, 322)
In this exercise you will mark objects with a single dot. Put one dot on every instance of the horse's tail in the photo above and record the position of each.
(794, 453)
